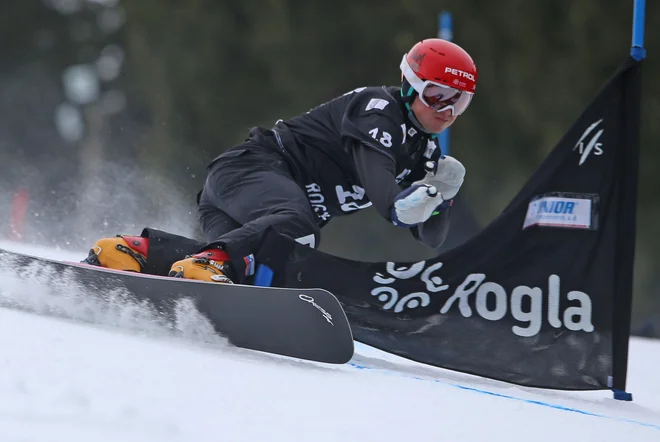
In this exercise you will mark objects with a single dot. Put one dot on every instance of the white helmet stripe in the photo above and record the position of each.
(410, 75)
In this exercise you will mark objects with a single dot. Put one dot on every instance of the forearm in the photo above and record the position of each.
(433, 231)
(413, 205)
(377, 176)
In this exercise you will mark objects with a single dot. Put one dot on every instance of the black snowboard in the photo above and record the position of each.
(301, 323)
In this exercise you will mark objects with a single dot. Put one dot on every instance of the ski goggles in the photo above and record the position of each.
(440, 98)
(435, 95)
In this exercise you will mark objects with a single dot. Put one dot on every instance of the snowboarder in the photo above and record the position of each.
(372, 146)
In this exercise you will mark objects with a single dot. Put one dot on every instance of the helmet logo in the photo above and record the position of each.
(460, 73)
(415, 59)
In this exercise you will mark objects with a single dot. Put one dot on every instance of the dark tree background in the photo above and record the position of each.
(175, 83)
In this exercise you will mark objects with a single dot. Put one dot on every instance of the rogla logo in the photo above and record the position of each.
(460, 73)
(530, 307)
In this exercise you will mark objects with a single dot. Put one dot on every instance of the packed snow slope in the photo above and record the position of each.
(75, 371)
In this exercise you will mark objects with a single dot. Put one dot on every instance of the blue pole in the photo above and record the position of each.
(637, 50)
(445, 26)
(445, 31)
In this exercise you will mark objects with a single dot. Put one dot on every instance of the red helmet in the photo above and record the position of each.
(433, 67)
(443, 62)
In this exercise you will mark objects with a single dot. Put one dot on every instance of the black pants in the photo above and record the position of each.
(248, 191)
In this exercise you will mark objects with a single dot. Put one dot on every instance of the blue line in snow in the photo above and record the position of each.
(506, 396)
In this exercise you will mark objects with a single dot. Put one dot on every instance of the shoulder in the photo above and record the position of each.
(374, 118)
(371, 106)
(373, 100)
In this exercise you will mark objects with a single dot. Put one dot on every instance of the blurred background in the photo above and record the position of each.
(111, 109)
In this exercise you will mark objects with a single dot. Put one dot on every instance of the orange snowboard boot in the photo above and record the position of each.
(210, 265)
(119, 253)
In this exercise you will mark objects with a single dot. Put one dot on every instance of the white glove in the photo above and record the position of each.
(447, 176)
(415, 205)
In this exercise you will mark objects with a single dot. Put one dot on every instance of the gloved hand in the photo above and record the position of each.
(446, 176)
(415, 205)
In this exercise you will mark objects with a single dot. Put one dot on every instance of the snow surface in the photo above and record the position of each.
(113, 373)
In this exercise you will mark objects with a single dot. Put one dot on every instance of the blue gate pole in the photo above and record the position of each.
(637, 50)
(445, 32)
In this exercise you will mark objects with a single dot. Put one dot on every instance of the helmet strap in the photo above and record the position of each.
(408, 95)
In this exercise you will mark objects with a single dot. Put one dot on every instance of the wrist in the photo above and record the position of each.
(443, 207)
